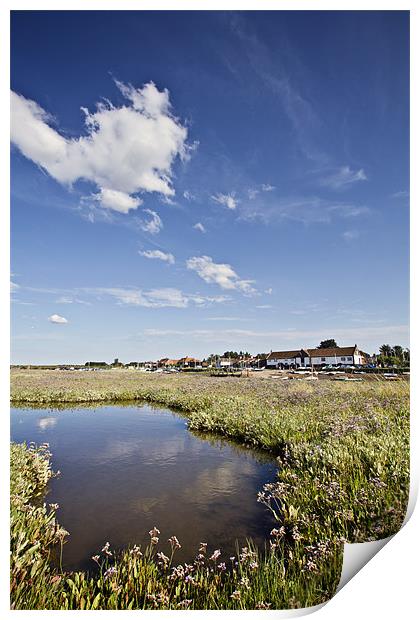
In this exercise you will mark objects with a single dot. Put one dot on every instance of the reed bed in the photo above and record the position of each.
(343, 453)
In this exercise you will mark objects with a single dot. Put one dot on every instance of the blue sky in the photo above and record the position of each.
(191, 182)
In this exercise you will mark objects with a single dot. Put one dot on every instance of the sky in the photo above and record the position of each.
(185, 183)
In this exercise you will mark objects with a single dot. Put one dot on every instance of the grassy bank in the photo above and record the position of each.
(343, 452)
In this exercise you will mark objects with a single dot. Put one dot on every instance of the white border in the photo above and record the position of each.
(387, 586)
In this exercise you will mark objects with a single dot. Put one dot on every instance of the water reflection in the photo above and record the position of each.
(126, 469)
(45, 423)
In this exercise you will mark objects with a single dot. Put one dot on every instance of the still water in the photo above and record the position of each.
(125, 469)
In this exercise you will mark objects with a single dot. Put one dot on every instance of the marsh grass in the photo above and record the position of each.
(343, 453)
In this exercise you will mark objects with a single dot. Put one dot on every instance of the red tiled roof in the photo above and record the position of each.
(283, 354)
(332, 352)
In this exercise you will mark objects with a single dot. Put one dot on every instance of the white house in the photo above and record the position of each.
(349, 356)
(286, 359)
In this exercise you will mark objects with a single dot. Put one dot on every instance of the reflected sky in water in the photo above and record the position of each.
(125, 469)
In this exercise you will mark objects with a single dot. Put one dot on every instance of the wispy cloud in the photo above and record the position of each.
(159, 255)
(134, 296)
(221, 274)
(123, 151)
(343, 178)
(199, 226)
(350, 235)
(401, 194)
(266, 187)
(158, 298)
(154, 225)
(307, 210)
(289, 337)
(228, 200)
(252, 193)
(56, 318)
(273, 75)
(66, 299)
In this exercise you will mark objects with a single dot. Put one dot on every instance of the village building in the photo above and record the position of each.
(171, 363)
(348, 356)
(288, 359)
(189, 362)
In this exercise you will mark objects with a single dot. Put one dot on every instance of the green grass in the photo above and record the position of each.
(343, 452)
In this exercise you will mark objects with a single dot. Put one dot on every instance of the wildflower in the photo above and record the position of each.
(185, 603)
(54, 506)
(164, 560)
(105, 549)
(216, 554)
(174, 542)
(245, 582)
(136, 551)
(96, 558)
(263, 605)
(296, 534)
(154, 532)
(253, 565)
(203, 547)
(236, 595)
(110, 571)
(221, 566)
(310, 566)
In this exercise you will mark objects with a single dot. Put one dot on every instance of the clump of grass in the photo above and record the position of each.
(33, 527)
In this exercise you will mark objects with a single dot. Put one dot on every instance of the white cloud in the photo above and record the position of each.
(123, 151)
(401, 194)
(130, 295)
(157, 298)
(266, 187)
(167, 201)
(252, 193)
(65, 299)
(350, 235)
(159, 255)
(56, 318)
(13, 287)
(307, 210)
(188, 195)
(343, 177)
(219, 273)
(269, 291)
(228, 200)
(117, 201)
(199, 226)
(152, 226)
